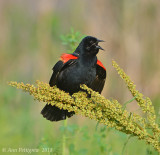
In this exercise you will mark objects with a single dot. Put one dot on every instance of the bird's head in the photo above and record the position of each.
(90, 45)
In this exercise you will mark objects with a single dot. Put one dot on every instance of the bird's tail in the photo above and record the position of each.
(53, 113)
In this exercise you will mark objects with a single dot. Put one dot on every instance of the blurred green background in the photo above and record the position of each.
(30, 45)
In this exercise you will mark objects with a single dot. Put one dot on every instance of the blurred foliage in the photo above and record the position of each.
(72, 39)
(30, 46)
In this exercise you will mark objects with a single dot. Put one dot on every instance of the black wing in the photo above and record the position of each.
(58, 67)
(50, 112)
(98, 84)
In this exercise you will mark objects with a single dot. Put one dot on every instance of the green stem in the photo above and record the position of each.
(97, 126)
(125, 104)
(124, 146)
(64, 137)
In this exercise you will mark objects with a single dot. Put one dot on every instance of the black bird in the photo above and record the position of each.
(81, 67)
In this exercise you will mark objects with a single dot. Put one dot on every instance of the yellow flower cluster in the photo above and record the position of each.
(108, 112)
(145, 104)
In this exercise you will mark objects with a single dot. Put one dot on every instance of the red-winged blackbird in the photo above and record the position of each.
(81, 67)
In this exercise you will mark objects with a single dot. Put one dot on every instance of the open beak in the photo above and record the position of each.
(99, 47)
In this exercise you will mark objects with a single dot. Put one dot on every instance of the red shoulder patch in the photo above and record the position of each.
(100, 64)
(66, 57)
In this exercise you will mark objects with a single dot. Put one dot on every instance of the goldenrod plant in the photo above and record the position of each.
(108, 112)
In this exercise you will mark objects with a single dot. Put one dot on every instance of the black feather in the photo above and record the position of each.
(50, 112)
(98, 83)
